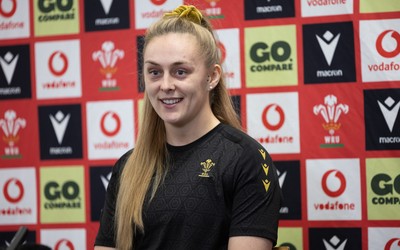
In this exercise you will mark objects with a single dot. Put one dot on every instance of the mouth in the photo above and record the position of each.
(171, 101)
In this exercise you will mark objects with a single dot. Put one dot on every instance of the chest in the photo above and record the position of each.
(197, 190)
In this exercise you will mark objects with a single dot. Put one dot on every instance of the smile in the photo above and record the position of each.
(171, 101)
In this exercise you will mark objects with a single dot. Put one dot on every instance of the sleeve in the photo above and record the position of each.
(257, 195)
(106, 233)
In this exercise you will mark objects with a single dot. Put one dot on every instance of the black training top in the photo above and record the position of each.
(223, 184)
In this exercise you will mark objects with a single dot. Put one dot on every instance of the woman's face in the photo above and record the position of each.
(177, 80)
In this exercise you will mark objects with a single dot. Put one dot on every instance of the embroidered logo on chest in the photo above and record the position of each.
(207, 165)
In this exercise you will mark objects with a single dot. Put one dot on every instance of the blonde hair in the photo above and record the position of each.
(147, 165)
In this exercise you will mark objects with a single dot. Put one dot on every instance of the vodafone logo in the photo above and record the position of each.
(392, 242)
(58, 63)
(110, 124)
(64, 244)
(392, 47)
(8, 8)
(13, 190)
(158, 2)
(333, 183)
(222, 50)
(273, 117)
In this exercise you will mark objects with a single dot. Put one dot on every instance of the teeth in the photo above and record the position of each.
(171, 101)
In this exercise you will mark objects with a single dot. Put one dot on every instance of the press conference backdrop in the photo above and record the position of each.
(317, 82)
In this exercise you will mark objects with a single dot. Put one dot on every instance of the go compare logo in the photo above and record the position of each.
(271, 54)
(383, 182)
(62, 191)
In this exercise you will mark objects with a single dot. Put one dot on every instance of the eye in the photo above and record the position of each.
(181, 72)
(153, 72)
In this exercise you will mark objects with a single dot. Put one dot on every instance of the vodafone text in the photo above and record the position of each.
(325, 2)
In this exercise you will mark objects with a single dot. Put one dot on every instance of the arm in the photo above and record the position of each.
(249, 243)
(256, 202)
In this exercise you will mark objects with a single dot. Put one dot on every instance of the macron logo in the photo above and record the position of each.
(105, 180)
(333, 244)
(8, 64)
(328, 45)
(60, 123)
(390, 113)
(281, 177)
(106, 5)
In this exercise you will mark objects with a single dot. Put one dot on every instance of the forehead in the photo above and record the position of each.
(172, 46)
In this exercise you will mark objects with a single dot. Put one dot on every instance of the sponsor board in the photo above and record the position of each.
(256, 9)
(56, 17)
(335, 238)
(228, 43)
(372, 6)
(60, 76)
(333, 189)
(15, 76)
(148, 11)
(273, 120)
(111, 128)
(380, 50)
(291, 237)
(64, 239)
(106, 15)
(60, 131)
(271, 56)
(18, 196)
(289, 181)
(99, 178)
(383, 188)
(14, 19)
(326, 7)
(386, 238)
(329, 53)
(382, 119)
(62, 192)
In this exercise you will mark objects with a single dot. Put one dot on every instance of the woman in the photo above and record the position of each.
(194, 179)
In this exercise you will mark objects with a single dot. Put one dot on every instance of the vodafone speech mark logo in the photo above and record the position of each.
(393, 45)
(392, 242)
(58, 63)
(158, 2)
(333, 183)
(8, 8)
(110, 124)
(13, 190)
(273, 117)
(64, 244)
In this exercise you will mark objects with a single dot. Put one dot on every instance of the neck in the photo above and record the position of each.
(180, 136)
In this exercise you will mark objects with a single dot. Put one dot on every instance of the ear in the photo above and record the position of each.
(215, 75)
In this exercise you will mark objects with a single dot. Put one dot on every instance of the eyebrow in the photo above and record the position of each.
(174, 64)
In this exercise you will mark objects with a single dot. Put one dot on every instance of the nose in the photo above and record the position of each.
(167, 83)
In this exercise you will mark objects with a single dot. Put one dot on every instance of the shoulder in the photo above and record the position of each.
(120, 163)
(239, 137)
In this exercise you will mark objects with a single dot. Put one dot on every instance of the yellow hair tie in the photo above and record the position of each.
(187, 11)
